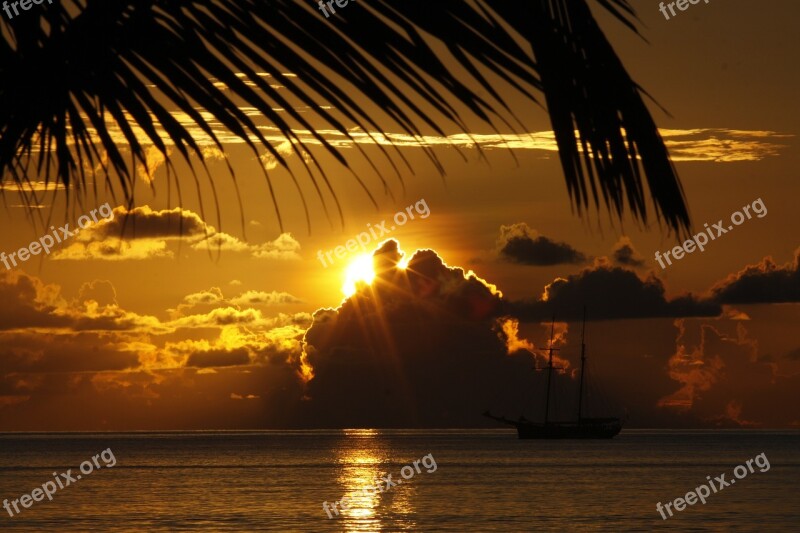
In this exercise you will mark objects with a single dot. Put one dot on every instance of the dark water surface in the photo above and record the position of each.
(483, 481)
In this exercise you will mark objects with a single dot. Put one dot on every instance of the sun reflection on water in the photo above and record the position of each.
(364, 458)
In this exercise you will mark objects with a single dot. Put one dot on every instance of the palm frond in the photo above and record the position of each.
(588, 89)
(71, 69)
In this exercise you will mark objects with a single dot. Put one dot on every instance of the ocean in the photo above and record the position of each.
(464, 480)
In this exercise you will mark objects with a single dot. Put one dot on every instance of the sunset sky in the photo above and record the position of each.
(209, 315)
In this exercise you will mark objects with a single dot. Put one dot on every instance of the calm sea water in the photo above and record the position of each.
(484, 481)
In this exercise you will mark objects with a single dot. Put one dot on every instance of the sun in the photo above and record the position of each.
(359, 270)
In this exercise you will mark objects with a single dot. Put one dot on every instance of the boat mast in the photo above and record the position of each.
(549, 372)
(583, 365)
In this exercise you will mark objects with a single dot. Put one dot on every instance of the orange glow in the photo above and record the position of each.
(360, 270)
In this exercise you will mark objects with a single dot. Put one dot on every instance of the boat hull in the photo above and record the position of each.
(587, 428)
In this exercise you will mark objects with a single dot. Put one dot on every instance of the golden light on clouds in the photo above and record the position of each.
(719, 145)
(148, 233)
(510, 327)
(691, 144)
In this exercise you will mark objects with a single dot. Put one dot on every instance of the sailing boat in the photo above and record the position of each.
(582, 428)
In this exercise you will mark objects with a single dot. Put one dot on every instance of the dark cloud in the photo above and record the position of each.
(208, 358)
(421, 346)
(144, 233)
(400, 352)
(610, 293)
(146, 223)
(521, 244)
(28, 303)
(724, 382)
(765, 282)
(625, 254)
(48, 352)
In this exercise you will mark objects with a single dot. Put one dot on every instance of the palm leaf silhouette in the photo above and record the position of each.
(70, 70)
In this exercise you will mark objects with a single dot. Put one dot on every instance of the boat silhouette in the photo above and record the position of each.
(580, 428)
